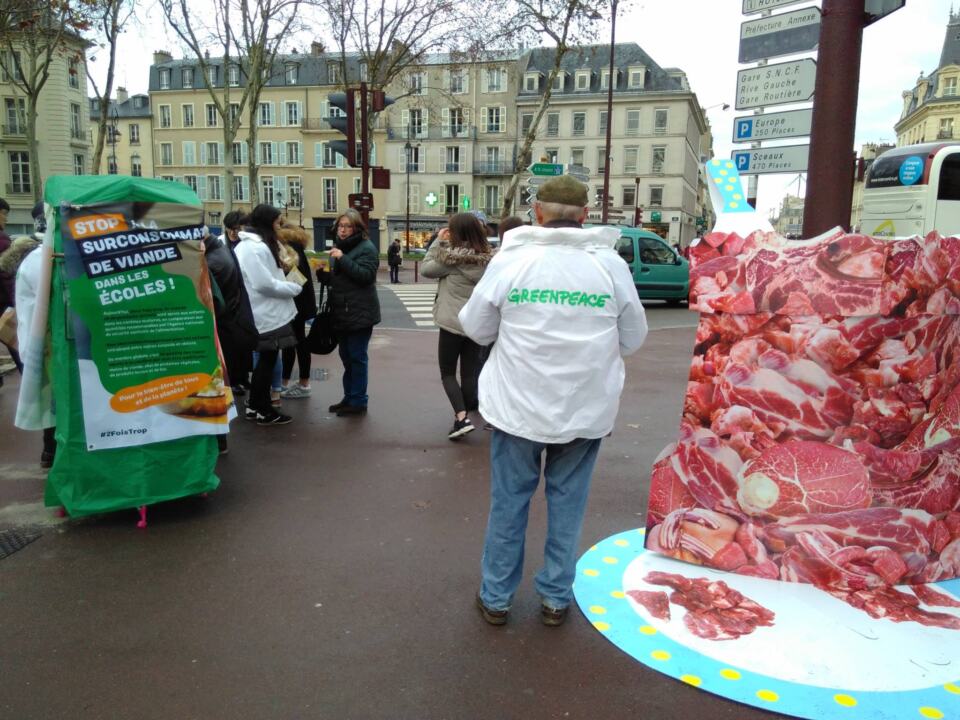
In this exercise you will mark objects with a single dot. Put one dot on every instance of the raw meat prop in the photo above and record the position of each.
(820, 437)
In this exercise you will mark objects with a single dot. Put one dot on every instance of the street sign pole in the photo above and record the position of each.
(604, 215)
(830, 176)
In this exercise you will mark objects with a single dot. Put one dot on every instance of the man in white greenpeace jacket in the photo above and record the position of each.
(563, 310)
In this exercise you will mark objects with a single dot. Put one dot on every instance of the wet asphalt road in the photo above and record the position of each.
(332, 574)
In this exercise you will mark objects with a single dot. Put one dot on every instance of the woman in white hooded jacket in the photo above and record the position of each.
(271, 298)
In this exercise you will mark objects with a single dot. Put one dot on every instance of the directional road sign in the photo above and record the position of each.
(772, 126)
(577, 170)
(537, 180)
(877, 9)
(785, 34)
(762, 161)
(755, 6)
(579, 176)
(546, 169)
(778, 84)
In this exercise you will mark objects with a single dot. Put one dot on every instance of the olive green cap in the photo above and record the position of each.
(563, 190)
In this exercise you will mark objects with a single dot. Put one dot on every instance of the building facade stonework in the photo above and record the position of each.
(63, 132)
(450, 141)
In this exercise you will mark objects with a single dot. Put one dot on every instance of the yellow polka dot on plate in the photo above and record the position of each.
(952, 688)
(733, 205)
(593, 548)
(737, 196)
(610, 560)
(723, 172)
(691, 680)
(728, 164)
(642, 531)
(660, 655)
(590, 572)
(931, 712)
(718, 181)
(621, 543)
(729, 674)
(618, 594)
(648, 630)
(601, 626)
(716, 162)
(845, 700)
(598, 610)
(768, 695)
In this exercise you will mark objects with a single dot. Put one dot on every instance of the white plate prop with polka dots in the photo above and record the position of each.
(786, 647)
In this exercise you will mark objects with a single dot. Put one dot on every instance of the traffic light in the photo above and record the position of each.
(638, 217)
(598, 198)
(380, 101)
(346, 123)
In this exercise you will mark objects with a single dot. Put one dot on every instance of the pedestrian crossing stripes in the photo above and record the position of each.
(418, 302)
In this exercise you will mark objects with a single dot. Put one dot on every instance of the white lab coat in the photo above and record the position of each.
(556, 371)
(271, 296)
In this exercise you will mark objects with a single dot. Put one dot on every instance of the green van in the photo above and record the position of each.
(658, 271)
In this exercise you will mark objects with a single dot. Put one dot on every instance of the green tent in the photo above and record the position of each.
(86, 482)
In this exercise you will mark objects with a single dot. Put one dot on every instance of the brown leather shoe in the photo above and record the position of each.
(494, 617)
(553, 617)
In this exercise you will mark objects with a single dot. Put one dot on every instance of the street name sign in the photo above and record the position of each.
(577, 170)
(579, 176)
(754, 6)
(546, 169)
(878, 9)
(778, 84)
(784, 34)
(772, 126)
(762, 161)
(537, 180)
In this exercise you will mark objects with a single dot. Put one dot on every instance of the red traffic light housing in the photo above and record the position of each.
(345, 123)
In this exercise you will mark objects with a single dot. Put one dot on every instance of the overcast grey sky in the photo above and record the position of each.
(701, 37)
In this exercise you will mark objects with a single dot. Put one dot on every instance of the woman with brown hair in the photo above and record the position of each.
(352, 279)
(457, 260)
(271, 298)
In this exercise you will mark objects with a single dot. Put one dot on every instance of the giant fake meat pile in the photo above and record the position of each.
(820, 438)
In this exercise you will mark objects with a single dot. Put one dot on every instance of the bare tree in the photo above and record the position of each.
(109, 18)
(390, 36)
(33, 35)
(251, 50)
(567, 24)
(264, 26)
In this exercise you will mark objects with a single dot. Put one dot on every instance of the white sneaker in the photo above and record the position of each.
(294, 391)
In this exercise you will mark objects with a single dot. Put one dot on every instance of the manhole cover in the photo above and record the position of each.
(13, 540)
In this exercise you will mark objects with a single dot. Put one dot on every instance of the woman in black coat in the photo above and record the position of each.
(394, 260)
(352, 279)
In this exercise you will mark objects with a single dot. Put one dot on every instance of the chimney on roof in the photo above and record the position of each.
(162, 56)
(317, 48)
(121, 95)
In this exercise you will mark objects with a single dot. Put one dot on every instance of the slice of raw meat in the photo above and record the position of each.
(803, 476)
(656, 602)
(715, 611)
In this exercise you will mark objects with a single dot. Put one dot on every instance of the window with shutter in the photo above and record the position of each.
(483, 119)
(318, 154)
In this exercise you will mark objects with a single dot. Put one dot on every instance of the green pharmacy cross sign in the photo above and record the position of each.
(465, 202)
(431, 199)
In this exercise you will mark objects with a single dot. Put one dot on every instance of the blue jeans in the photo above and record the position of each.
(514, 476)
(353, 355)
(276, 381)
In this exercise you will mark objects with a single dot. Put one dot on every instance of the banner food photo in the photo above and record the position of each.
(143, 323)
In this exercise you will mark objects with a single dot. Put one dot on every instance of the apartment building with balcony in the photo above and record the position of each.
(63, 131)
(659, 133)
(296, 169)
(128, 145)
(450, 141)
(931, 110)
